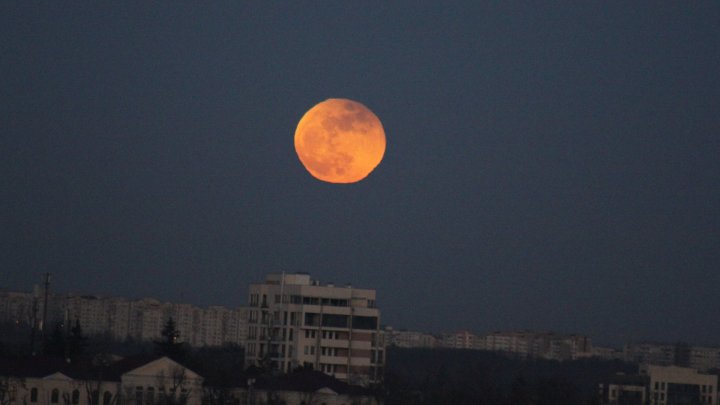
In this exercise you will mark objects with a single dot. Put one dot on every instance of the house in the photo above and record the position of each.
(133, 381)
(152, 380)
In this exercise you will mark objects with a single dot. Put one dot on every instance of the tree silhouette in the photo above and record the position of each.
(76, 341)
(170, 344)
(55, 345)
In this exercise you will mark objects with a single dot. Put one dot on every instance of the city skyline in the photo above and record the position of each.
(174, 308)
(548, 166)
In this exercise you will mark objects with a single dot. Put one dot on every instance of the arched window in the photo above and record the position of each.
(33, 394)
(55, 396)
(76, 397)
(95, 398)
(107, 398)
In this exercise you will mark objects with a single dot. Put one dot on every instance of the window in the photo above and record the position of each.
(76, 397)
(138, 395)
(364, 322)
(95, 397)
(150, 396)
(107, 398)
(33, 394)
(54, 396)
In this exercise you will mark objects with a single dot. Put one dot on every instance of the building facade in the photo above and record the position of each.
(462, 340)
(661, 385)
(543, 345)
(409, 339)
(678, 354)
(121, 319)
(131, 381)
(294, 321)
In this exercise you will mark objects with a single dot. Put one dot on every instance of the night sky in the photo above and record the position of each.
(549, 166)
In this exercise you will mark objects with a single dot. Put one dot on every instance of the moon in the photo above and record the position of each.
(340, 141)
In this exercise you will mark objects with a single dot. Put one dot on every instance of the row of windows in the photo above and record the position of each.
(706, 389)
(148, 396)
(276, 350)
(257, 300)
(326, 334)
(73, 398)
(328, 368)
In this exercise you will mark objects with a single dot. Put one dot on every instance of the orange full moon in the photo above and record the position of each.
(340, 141)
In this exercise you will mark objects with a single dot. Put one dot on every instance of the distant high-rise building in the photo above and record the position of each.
(463, 340)
(409, 338)
(295, 321)
(678, 354)
(122, 319)
(546, 345)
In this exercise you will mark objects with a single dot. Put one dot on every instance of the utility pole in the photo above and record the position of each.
(33, 320)
(45, 306)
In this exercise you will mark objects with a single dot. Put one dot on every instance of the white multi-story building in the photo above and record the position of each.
(680, 385)
(661, 385)
(119, 318)
(517, 343)
(409, 338)
(546, 345)
(679, 354)
(463, 340)
(295, 321)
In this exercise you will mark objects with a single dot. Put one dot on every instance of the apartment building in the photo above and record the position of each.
(409, 338)
(680, 385)
(120, 318)
(463, 340)
(661, 385)
(295, 321)
(678, 354)
(545, 345)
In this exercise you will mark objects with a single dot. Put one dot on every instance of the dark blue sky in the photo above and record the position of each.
(549, 166)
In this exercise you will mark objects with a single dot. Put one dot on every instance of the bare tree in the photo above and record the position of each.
(94, 393)
(309, 398)
(174, 389)
(72, 397)
(218, 396)
(9, 389)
